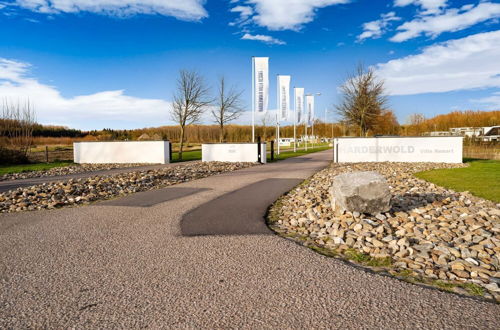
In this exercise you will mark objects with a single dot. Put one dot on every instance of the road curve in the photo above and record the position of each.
(126, 264)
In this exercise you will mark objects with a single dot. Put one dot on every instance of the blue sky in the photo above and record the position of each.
(92, 64)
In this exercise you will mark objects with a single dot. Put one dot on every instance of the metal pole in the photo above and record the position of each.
(305, 135)
(253, 99)
(294, 122)
(312, 131)
(272, 150)
(259, 150)
(278, 138)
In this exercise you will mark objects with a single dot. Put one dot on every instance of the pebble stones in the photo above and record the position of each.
(429, 231)
(64, 170)
(86, 190)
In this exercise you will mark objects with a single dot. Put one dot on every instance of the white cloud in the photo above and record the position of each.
(491, 102)
(84, 111)
(429, 6)
(453, 19)
(375, 29)
(287, 14)
(263, 38)
(181, 9)
(245, 13)
(461, 64)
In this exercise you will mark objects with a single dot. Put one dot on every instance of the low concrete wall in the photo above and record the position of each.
(153, 152)
(398, 149)
(232, 152)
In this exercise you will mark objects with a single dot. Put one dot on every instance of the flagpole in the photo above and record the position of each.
(253, 99)
(294, 121)
(277, 112)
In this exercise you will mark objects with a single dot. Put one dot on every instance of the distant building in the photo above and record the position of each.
(491, 134)
(467, 131)
(438, 133)
(484, 133)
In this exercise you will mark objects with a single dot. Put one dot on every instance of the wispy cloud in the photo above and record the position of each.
(375, 29)
(263, 38)
(428, 6)
(460, 64)
(79, 111)
(181, 9)
(490, 102)
(284, 14)
(450, 20)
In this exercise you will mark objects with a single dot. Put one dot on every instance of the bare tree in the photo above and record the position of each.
(189, 102)
(264, 120)
(415, 119)
(18, 121)
(228, 106)
(363, 99)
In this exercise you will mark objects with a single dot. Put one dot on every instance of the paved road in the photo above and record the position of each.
(128, 264)
(13, 184)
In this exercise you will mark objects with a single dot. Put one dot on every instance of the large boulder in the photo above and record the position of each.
(363, 192)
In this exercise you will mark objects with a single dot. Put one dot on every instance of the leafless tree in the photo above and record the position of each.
(227, 107)
(415, 119)
(264, 121)
(189, 102)
(363, 99)
(17, 124)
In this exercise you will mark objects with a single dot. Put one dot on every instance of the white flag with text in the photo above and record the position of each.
(310, 109)
(261, 83)
(299, 104)
(283, 97)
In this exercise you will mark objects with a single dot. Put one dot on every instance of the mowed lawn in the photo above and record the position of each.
(300, 152)
(481, 178)
(186, 156)
(6, 169)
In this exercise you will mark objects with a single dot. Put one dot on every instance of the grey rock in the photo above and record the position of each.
(363, 192)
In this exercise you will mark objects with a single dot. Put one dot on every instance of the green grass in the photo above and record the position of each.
(301, 152)
(481, 178)
(186, 156)
(8, 169)
(473, 289)
(196, 154)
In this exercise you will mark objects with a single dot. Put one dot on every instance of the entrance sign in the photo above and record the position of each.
(283, 97)
(261, 83)
(310, 110)
(398, 149)
(152, 152)
(299, 104)
(232, 152)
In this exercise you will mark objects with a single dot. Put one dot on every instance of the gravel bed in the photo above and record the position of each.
(64, 170)
(431, 235)
(86, 190)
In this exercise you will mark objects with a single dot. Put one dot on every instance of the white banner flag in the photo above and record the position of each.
(284, 97)
(299, 104)
(261, 83)
(310, 109)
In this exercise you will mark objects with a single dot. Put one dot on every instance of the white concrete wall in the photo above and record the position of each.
(154, 152)
(232, 152)
(398, 149)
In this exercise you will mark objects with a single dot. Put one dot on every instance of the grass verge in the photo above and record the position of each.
(9, 169)
(480, 178)
(290, 154)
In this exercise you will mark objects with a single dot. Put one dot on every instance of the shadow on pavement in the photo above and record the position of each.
(152, 197)
(240, 212)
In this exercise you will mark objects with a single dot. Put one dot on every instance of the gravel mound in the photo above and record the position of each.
(431, 235)
(86, 190)
(64, 170)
